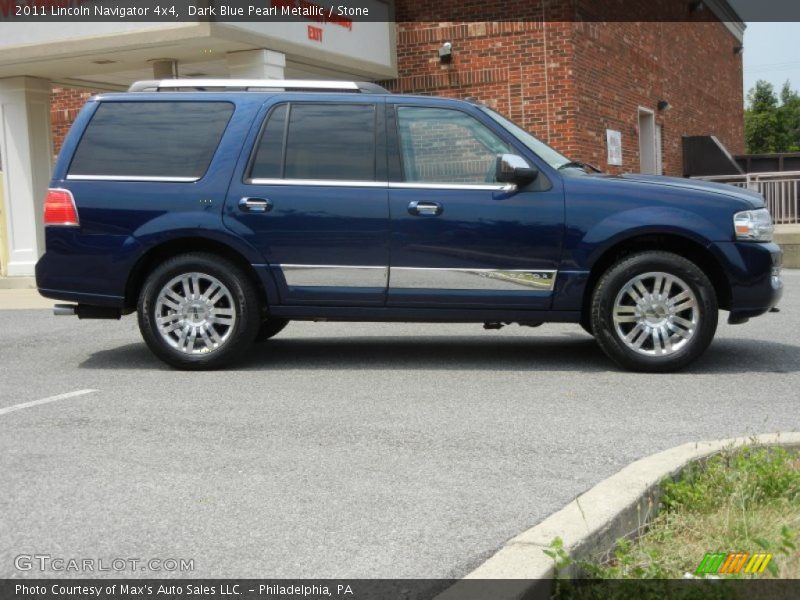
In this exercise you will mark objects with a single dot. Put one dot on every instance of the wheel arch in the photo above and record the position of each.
(183, 245)
(684, 246)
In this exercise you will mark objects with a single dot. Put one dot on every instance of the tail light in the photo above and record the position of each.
(59, 209)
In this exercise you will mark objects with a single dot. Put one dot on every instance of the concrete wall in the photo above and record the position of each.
(788, 237)
(25, 143)
(3, 232)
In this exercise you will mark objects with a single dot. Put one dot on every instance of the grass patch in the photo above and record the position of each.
(743, 500)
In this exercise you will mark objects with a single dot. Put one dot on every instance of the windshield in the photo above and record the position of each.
(546, 153)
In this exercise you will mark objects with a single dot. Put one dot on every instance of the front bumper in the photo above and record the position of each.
(754, 273)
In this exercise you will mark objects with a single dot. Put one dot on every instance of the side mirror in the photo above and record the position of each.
(514, 169)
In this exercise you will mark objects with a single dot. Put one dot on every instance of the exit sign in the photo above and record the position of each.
(314, 33)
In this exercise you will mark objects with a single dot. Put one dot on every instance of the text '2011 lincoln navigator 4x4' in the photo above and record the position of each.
(220, 210)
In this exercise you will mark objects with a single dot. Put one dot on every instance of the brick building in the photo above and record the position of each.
(568, 81)
(48, 69)
(64, 106)
(610, 82)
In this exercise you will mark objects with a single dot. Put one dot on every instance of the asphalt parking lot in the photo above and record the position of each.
(346, 450)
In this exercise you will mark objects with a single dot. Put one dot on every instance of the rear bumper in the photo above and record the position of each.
(85, 269)
(84, 298)
(753, 271)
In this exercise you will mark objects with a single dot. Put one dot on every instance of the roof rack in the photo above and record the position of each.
(257, 85)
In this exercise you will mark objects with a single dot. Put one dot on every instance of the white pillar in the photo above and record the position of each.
(165, 68)
(256, 64)
(27, 149)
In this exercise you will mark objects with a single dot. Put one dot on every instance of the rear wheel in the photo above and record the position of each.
(654, 311)
(198, 311)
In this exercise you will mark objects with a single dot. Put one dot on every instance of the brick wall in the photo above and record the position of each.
(620, 67)
(522, 69)
(567, 81)
(64, 106)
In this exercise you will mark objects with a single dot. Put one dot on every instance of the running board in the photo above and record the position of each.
(87, 311)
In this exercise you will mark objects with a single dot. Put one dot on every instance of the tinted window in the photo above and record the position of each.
(440, 145)
(331, 142)
(151, 139)
(267, 163)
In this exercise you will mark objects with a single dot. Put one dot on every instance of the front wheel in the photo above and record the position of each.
(586, 324)
(654, 311)
(198, 311)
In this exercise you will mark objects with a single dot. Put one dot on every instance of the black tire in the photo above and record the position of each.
(660, 352)
(270, 328)
(235, 339)
(586, 323)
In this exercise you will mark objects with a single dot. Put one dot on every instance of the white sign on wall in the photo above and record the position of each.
(614, 144)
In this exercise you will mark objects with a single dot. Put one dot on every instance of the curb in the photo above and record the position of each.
(789, 241)
(23, 299)
(17, 283)
(594, 520)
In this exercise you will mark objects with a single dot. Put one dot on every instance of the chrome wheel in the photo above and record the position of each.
(656, 314)
(195, 313)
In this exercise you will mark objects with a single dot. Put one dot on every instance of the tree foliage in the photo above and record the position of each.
(771, 120)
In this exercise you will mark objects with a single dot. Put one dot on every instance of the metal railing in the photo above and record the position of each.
(780, 191)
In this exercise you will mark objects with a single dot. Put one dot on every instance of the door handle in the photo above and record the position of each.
(255, 205)
(425, 209)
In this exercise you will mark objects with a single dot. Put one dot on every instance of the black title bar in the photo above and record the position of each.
(355, 11)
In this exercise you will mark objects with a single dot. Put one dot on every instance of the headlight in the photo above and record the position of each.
(753, 225)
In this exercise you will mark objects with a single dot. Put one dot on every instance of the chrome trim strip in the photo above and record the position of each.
(377, 184)
(431, 278)
(335, 276)
(303, 266)
(452, 186)
(472, 279)
(317, 182)
(132, 178)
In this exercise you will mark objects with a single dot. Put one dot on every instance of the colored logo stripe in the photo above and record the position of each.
(758, 563)
(711, 563)
(732, 563)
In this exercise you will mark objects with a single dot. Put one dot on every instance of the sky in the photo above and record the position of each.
(772, 52)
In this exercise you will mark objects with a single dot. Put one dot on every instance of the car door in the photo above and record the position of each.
(458, 238)
(312, 197)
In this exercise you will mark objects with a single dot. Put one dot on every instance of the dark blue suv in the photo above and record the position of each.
(220, 210)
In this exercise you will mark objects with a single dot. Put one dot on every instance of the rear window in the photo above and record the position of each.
(322, 142)
(151, 139)
(268, 162)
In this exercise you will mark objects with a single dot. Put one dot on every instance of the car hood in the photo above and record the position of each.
(755, 199)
